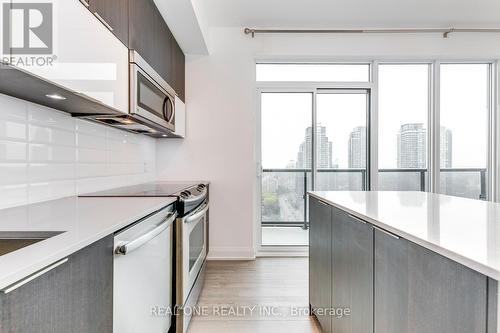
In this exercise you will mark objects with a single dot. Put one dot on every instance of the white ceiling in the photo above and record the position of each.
(185, 23)
(353, 13)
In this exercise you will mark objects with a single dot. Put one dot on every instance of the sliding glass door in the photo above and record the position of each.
(286, 145)
(341, 140)
(334, 149)
(431, 130)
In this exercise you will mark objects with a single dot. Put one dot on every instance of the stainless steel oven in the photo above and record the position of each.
(194, 248)
(191, 253)
(150, 95)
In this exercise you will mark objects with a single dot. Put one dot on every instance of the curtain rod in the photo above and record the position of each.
(444, 31)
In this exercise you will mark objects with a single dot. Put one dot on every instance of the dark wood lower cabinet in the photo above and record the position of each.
(91, 274)
(76, 296)
(419, 291)
(391, 285)
(352, 274)
(320, 261)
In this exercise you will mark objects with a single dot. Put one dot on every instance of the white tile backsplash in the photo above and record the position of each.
(55, 136)
(13, 109)
(51, 153)
(12, 130)
(13, 173)
(46, 154)
(51, 171)
(86, 155)
(12, 151)
(14, 195)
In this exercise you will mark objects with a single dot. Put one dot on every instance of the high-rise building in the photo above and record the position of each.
(357, 148)
(323, 150)
(446, 144)
(412, 142)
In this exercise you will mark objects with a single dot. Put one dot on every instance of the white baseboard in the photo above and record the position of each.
(283, 251)
(231, 253)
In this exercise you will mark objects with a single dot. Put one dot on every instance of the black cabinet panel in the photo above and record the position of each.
(144, 30)
(320, 261)
(115, 14)
(40, 306)
(352, 273)
(150, 36)
(91, 274)
(165, 50)
(141, 27)
(419, 291)
(178, 66)
(76, 296)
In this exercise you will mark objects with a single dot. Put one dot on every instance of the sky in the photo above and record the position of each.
(403, 98)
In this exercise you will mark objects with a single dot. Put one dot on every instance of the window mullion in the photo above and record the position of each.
(434, 133)
(372, 164)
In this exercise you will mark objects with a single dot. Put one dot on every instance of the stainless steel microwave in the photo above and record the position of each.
(152, 103)
(151, 97)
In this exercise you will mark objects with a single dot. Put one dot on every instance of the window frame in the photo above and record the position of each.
(324, 63)
(430, 115)
(493, 149)
(493, 130)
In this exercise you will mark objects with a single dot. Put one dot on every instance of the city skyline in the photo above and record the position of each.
(411, 141)
(324, 150)
(446, 147)
(357, 148)
(412, 146)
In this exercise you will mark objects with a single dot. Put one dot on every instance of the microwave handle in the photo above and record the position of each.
(168, 100)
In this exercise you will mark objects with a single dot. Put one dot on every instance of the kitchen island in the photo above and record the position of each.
(395, 262)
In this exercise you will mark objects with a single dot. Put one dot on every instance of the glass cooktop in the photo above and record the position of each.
(157, 189)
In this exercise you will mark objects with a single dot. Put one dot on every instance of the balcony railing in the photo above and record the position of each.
(284, 199)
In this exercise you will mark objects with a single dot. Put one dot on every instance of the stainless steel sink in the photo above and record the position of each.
(11, 241)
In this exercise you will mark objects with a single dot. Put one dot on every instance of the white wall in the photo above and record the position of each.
(46, 154)
(221, 113)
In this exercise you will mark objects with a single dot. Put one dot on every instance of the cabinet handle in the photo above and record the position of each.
(103, 21)
(356, 218)
(387, 233)
(33, 276)
(85, 3)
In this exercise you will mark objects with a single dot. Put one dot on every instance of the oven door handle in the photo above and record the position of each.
(145, 238)
(197, 215)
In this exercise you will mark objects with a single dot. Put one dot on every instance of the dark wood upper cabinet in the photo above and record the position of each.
(113, 14)
(165, 53)
(150, 36)
(178, 66)
(144, 34)
(141, 27)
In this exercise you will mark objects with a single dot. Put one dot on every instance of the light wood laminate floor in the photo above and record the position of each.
(265, 295)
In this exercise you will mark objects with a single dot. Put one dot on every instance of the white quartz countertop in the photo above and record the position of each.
(464, 230)
(82, 220)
